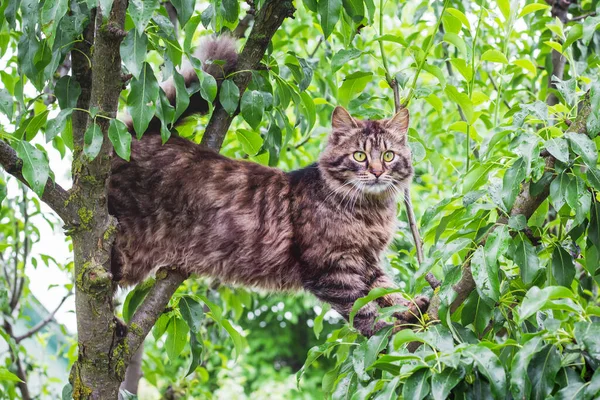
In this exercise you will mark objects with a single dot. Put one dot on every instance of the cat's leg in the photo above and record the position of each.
(415, 308)
(341, 289)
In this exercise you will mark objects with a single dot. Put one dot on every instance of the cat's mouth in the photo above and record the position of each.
(377, 187)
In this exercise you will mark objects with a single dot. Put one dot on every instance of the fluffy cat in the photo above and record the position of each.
(322, 228)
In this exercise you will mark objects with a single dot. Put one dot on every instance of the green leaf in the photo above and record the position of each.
(329, 12)
(542, 371)
(520, 385)
(363, 301)
(318, 324)
(444, 382)
(485, 275)
(160, 327)
(6, 375)
(353, 84)
(217, 315)
(460, 16)
(593, 176)
(375, 345)
(583, 146)
(208, 86)
(491, 367)
(141, 12)
(586, 335)
(526, 259)
(355, 9)
(52, 13)
(252, 107)
(92, 141)
(57, 125)
(559, 148)
(463, 68)
(120, 137)
(417, 385)
(437, 72)
(590, 24)
(250, 141)
(463, 101)
(457, 42)
(563, 268)
(135, 298)
(497, 244)
(477, 312)
(511, 183)
(343, 57)
(67, 91)
(559, 188)
(166, 113)
(389, 390)
(182, 97)
(105, 6)
(575, 33)
(230, 10)
(177, 331)
(142, 99)
(6, 103)
(133, 52)
(185, 9)
(530, 8)
(527, 64)
(35, 166)
(67, 392)
(229, 96)
(494, 56)
(536, 299)
(192, 312)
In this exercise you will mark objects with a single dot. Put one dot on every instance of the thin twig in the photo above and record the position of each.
(583, 16)
(40, 325)
(312, 53)
(496, 89)
(412, 221)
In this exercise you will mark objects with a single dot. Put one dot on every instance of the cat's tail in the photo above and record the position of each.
(218, 56)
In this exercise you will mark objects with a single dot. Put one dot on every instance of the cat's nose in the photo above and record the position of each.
(377, 172)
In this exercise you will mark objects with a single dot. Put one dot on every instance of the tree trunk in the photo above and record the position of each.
(99, 370)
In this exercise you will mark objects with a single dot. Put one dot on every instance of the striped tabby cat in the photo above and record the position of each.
(322, 228)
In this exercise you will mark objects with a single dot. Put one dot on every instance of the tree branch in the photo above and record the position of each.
(54, 195)
(21, 374)
(268, 20)
(40, 325)
(525, 204)
(167, 282)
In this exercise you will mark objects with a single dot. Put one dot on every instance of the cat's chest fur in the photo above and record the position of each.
(334, 232)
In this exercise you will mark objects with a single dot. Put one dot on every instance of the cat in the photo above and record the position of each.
(322, 228)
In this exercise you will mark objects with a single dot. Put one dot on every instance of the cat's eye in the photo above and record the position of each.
(359, 156)
(388, 156)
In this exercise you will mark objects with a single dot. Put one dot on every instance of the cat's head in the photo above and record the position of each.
(371, 157)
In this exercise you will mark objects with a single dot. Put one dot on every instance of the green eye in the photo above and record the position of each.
(359, 156)
(388, 156)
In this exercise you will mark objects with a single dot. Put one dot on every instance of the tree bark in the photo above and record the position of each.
(97, 373)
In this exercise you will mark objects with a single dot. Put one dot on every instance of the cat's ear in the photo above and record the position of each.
(398, 125)
(342, 120)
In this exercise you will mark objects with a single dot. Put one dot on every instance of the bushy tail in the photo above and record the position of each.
(212, 48)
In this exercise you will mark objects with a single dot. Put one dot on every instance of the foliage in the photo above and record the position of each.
(477, 80)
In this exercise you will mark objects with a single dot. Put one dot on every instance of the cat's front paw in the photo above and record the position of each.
(416, 309)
